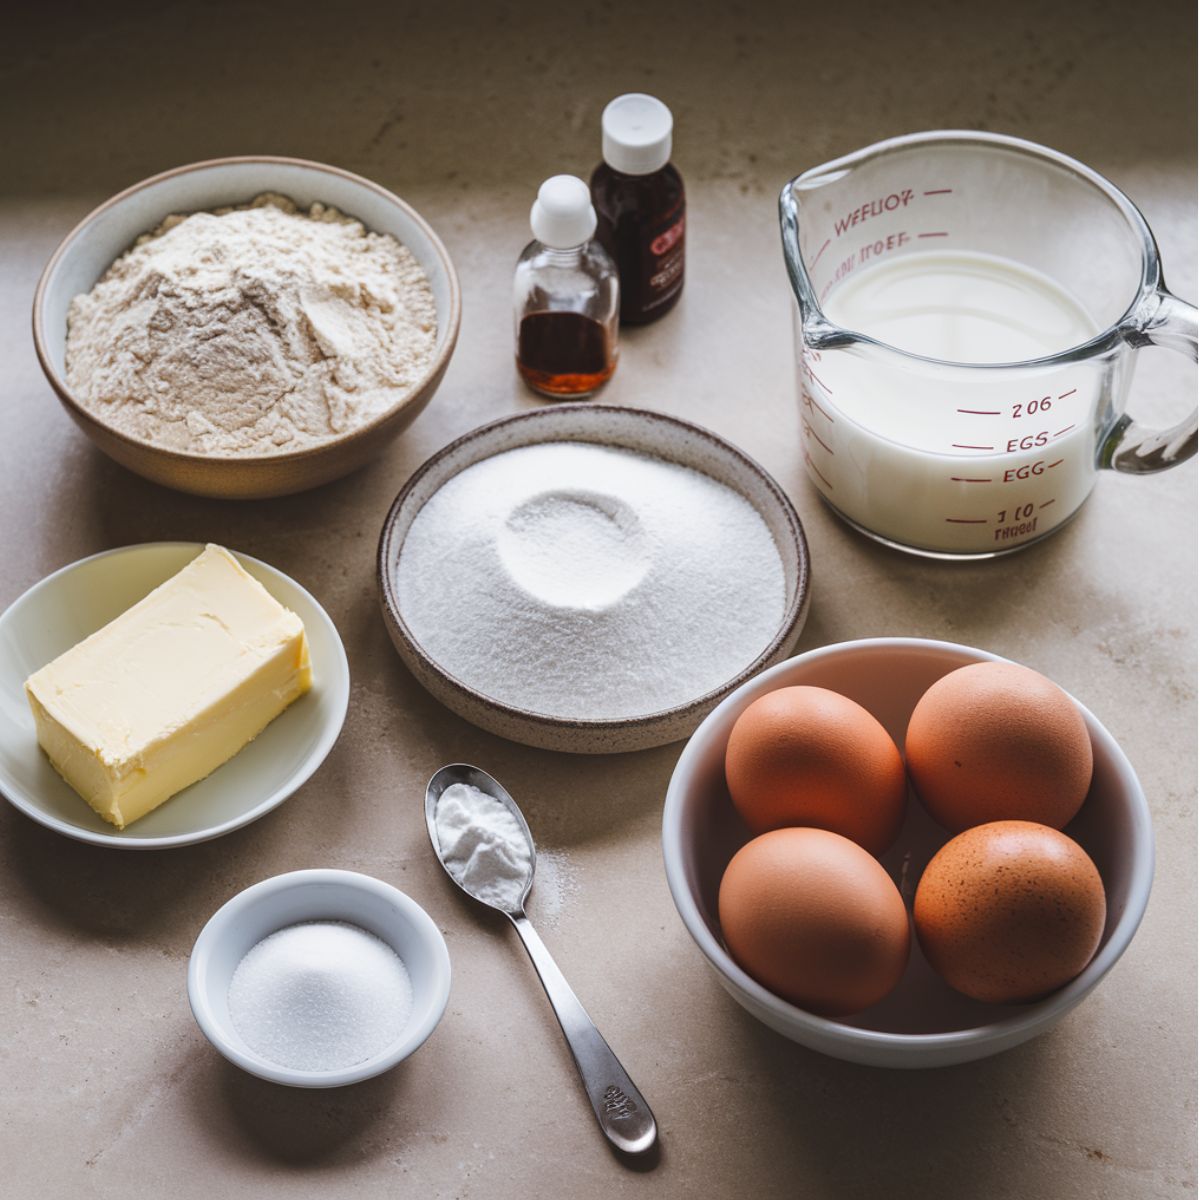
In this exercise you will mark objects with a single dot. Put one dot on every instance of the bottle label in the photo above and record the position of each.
(665, 263)
(666, 240)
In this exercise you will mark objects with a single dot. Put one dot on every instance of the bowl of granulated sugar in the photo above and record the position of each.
(247, 327)
(591, 579)
(319, 978)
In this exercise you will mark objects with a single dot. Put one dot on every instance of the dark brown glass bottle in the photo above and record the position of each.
(640, 206)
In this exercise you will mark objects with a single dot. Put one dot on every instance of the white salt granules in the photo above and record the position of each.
(584, 581)
(483, 845)
(251, 331)
(320, 996)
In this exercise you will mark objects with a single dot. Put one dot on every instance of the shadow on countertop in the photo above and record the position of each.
(159, 897)
(308, 1126)
(957, 1131)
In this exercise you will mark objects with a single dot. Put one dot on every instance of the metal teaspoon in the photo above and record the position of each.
(625, 1117)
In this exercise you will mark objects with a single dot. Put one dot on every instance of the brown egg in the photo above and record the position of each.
(998, 742)
(809, 756)
(1009, 911)
(814, 918)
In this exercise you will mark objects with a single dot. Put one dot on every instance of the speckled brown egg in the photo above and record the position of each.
(1009, 911)
(814, 918)
(809, 756)
(998, 742)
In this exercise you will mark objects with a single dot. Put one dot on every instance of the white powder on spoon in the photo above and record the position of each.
(584, 581)
(483, 845)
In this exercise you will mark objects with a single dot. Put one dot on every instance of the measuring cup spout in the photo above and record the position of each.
(817, 331)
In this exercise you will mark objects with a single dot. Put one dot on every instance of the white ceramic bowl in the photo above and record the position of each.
(634, 429)
(923, 1023)
(298, 896)
(77, 600)
(103, 235)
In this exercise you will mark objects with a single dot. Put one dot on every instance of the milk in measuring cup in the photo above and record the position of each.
(919, 455)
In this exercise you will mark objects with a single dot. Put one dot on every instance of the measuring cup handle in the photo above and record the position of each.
(1132, 447)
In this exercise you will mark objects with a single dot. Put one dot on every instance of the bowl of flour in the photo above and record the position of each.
(247, 327)
(591, 580)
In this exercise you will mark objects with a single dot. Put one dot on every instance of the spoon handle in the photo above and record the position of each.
(624, 1115)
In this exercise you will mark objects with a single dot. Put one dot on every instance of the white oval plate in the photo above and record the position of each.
(79, 599)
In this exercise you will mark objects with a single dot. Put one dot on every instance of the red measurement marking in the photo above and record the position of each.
(813, 375)
(939, 192)
(1053, 465)
(942, 234)
(979, 412)
(821, 251)
(960, 446)
(966, 520)
(809, 402)
(1062, 431)
(1046, 505)
(1064, 395)
(962, 479)
(813, 468)
(809, 430)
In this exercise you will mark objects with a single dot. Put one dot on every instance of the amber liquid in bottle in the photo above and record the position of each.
(564, 354)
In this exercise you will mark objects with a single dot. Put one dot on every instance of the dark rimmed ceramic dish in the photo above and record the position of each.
(635, 429)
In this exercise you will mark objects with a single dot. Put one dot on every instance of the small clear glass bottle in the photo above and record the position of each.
(566, 297)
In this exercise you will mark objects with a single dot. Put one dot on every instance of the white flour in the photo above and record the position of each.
(584, 581)
(251, 331)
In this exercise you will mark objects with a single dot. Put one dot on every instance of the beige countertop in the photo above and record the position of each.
(109, 1087)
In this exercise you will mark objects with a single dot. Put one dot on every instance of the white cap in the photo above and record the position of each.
(562, 215)
(636, 134)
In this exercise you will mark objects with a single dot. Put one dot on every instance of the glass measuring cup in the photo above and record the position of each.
(972, 459)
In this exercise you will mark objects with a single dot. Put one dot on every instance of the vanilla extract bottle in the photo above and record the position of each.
(565, 296)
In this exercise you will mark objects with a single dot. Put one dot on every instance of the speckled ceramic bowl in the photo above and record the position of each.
(635, 429)
(102, 236)
(923, 1022)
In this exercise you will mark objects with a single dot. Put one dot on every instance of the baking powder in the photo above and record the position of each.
(483, 845)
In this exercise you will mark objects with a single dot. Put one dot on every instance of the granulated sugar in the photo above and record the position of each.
(585, 581)
(320, 996)
(251, 331)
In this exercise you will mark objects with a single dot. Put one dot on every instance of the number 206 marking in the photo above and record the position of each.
(1032, 407)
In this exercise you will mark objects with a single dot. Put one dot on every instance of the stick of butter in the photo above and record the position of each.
(172, 688)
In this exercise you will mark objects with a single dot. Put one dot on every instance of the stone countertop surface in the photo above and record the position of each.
(110, 1089)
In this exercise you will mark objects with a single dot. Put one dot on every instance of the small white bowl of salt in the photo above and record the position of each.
(319, 978)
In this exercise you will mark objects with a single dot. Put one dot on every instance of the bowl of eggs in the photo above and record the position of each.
(907, 853)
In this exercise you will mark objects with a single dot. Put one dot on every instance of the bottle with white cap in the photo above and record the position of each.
(566, 297)
(640, 206)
